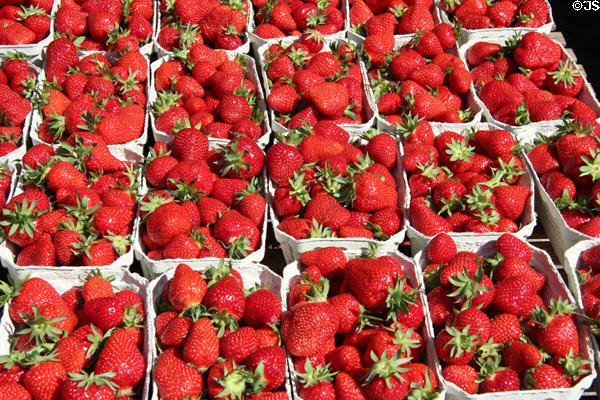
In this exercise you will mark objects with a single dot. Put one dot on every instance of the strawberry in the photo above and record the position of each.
(536, 50)
(202, 345)
(426, 220)
(262, 308)
(510, 200)
(347, 388)
(175, 378)
(121, 356)
(45, 380)
(441, 249)
(463, 376)
(553, 322)
(187, 288)
(385, 379)
(239, 233)
(272, 360)
(298, 327)
(97, 386)
(371, 194)
(545, 377)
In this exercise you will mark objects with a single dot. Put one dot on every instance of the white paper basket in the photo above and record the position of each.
(123, 280)
(251, 75)
(587, 95)
(554, 288)
(252, 274)
(8, 251)
(293, 270)
(528, 219)
(484, 35)
(152, 269)
(355, 130)
(121, 151)
(243, 49)
(292, 247)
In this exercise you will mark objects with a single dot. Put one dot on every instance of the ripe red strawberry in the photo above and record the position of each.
(202, 345)
(187, 288)
(331, 261)
(330, 98)
(273, 360)
(371, 194)
(558, 335)
(346, 388)
(238, 233)
(279, 171)
(327, 211)
(510, 200)
(175, 378)
(307, 327)
(384, 379)
(45, 380)
(425, 220)
(441, 249)
(546, 377)
(463, 376)
(510, 246)
(536, 50)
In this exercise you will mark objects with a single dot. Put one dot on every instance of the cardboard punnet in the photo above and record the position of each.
(123, 280)
(292, 247)
(251, 75)
(554, 288)
(293, 270)
(252, 274)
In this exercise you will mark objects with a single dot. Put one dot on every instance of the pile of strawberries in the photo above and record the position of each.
(203, 203)
(76, 205)
(528, 79)
(310, 20)
(17, 89)
(114, 25)
(463, 183)
(354, 328)
(218, 24)
(396, 17)
(25, 22)
(480, 14)
(308, 83)
(496, 333)
(588, 266)
(216, 328)
(566, 164)
(422, 80)
(210, 91)
(92, 96)
(83, 344)
(327, 187)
